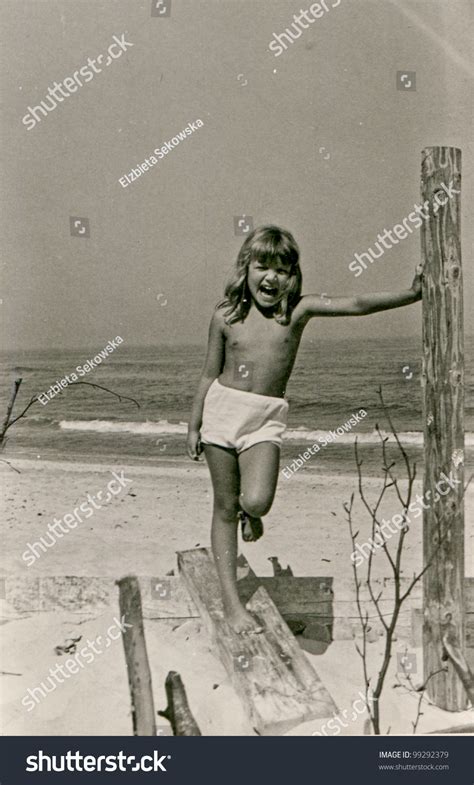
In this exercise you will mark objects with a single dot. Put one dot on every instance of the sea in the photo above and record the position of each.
(331, 381)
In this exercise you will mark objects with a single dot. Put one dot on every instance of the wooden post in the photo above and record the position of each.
(139, 676)
(178, 712)
(443, 383)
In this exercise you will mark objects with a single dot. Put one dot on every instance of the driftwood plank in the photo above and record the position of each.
(276, 683)
(293, 595)
(138, 668)
(166, 598)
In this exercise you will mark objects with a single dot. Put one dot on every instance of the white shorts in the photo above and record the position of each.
(237, 419)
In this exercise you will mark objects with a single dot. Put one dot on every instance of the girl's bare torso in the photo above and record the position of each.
(260, 353)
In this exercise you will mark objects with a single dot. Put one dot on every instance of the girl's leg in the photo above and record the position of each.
(258, 480)
(225, 476)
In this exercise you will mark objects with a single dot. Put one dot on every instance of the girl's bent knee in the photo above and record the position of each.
(255, 506)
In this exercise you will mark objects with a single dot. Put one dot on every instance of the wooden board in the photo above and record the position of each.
(308, 599)
(162, 598)
(293, 595)
(276, 683)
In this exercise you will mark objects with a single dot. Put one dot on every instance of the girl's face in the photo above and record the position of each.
(267, 281)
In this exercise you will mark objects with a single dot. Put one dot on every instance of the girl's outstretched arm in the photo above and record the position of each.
(211, 370)
(360, 305)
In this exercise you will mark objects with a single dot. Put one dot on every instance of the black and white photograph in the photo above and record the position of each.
(243, 228)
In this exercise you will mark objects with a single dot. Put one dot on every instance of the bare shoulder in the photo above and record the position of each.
(218, 323)
(303, 308)
(218, 318)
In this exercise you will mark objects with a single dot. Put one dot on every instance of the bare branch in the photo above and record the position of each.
(422, 690)
(100, 387)
(35, 399)
(11, 403)
(389, 481)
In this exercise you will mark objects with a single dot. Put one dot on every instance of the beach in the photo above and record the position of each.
(168, 508)
(159, 511)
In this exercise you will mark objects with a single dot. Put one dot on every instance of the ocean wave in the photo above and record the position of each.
(296, 434)
(363, 437)
(39, 420)
(138, 428)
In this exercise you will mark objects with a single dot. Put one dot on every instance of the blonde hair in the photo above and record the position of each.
(263, 244)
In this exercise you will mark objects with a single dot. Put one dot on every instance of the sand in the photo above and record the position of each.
(159, 511)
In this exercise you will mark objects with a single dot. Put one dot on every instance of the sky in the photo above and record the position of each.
(318, 140)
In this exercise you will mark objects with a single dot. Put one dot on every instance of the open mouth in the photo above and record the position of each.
(268, 291)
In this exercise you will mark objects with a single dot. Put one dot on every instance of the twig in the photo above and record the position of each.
(11, 403)
(395, 562)
(422, 690)
(3, 460)
(100, 387)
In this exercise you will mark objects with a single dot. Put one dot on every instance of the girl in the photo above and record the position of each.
(239, 412)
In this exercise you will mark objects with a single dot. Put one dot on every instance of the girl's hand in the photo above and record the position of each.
(193, 445)
(416, 285)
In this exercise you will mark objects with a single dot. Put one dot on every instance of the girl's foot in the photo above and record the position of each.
(252, 528)
(242, 621)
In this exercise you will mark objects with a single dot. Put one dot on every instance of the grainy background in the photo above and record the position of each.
(318, 140)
